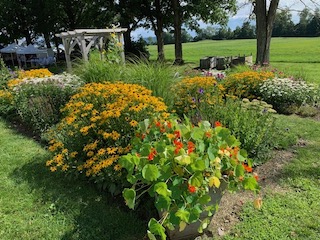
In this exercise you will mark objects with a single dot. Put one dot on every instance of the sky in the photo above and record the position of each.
(243, 15)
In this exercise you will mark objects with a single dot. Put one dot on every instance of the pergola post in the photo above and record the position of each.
(81, 36)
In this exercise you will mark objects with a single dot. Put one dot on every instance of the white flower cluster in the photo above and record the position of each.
(286, 91)
(62, 80)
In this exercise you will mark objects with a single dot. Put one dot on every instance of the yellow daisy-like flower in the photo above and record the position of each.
(117, 167)
(133, 123)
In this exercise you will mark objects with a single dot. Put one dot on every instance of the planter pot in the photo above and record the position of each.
(191, 230)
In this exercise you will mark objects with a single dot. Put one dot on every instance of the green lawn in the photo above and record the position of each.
(294, 55)
(38, 204)
(294, 214)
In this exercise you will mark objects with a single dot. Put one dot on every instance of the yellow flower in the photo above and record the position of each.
(111, 150)
(133, 123)
(73, 154)
(53, 169)
(117, 167)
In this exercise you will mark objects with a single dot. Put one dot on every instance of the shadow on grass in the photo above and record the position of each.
(90, 213)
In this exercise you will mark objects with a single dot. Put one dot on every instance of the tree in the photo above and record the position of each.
(247, 31)
(313, 28)
(190, 11)
(265, 17)
(283, 25)
(305, 18)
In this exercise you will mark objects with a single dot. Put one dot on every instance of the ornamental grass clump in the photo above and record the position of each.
(287, 95)
(245, 84)
(180, 164)
(193, 92)
(97, 128)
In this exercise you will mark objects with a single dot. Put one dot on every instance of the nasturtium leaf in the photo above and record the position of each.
(206, 125)
(197, 133)
(162, 203)
(183, 215)
(127, 163)
(150, 172)
(161, 147)
(211, 151)
(239, 170)
(196, 179)
(157, 229)
(130, 197)
(178, 170)
(194, 214)
(182, 226)
(214, 181)
(198, 165)
(204, 199)
(183, 159)
(200, 146)
(162, 189)
(144, 125)
(231, 140)
(131, 179)
(250, 184)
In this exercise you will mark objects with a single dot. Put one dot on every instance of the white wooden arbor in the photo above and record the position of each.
(86, 38)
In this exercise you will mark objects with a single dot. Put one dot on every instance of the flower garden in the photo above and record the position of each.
(175, 139)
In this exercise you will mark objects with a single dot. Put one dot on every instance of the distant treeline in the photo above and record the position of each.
(308, 26)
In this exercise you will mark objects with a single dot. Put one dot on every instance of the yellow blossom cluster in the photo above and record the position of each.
(245, 84)
(98, 125)
(191, 92)
(29, 74)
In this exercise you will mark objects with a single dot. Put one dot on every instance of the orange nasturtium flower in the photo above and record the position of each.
(217, 124)
(192, 189)
(247, 168)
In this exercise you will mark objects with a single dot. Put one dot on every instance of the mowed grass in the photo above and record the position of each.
(38, 204)
(297, 56)
(293, 214)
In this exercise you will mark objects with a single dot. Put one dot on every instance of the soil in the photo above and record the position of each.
(231, 204)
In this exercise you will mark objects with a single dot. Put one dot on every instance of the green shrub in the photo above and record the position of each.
(97, 128)
(4, 74)
(6, 104)
(287, 95)
(254, 128)
(38, 100)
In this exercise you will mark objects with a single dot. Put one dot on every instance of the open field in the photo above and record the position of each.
(298, 56)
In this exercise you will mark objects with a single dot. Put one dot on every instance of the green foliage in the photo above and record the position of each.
(38, 101)
(97, 71)
(287, 95)
(180, 165)
(6, 104)
(254, 127)
(4, 74)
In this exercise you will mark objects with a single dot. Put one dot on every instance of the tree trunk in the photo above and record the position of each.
(177, 32)
(158, 29)
(160, 43)
(47, 39)
(28, 37)
(264, 23)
